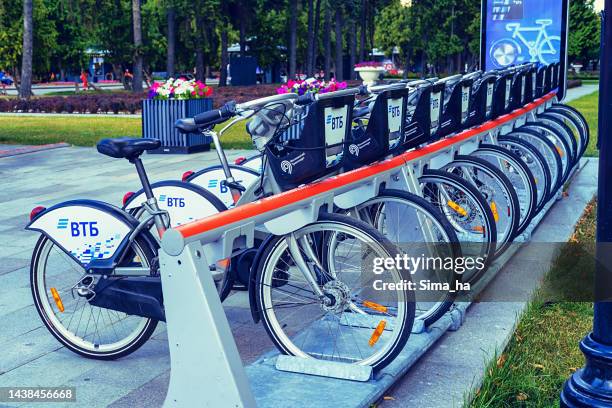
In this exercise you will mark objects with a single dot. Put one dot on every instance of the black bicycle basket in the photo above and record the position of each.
(481, 100)
(556, 75)
(417, 121)
(530, 84)
(312, 145)
(371, 142)
(436, 102)
(517, 89)
(455, 109)
(501, 94)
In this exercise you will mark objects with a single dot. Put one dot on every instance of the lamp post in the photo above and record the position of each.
(591, 386)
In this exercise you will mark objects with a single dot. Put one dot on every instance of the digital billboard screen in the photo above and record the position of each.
(520, 31)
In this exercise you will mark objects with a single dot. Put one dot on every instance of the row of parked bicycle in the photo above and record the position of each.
(95, 273)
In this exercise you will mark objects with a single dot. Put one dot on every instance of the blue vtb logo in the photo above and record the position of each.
(172, 201)
(79, 228)
(394, 111)
(336, 122)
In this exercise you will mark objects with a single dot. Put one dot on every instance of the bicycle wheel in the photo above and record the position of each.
(550, 152)
(88, 330)
(536, 162)
(574, 127)
(468, 213)
(563, 130)
(519, 175)
(560, 143)
(579, 118)
(418, 229)
(496, 190)
(349, 321)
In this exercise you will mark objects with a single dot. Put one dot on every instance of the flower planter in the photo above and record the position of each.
(369, 75)
(158, 117)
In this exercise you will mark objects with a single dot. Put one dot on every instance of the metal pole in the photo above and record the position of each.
(591, 386)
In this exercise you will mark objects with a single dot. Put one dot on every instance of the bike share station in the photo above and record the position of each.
(203, 352)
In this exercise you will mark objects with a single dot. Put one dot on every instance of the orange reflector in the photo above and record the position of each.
(224, 263)
(377, 333)
(58, 299)
(478, 228)
(494, 210)
(560, 151)
(375, 306)
(458, 209)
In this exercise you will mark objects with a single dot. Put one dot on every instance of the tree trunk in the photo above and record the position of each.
(137, 59)
(242, 40)
(327, 41)
(315, 42)
(25, 88)
(310, 39)
(352, 39)
(293, 4)
(339, 69)
(171, 38)
(200, 42)
(407, 65)
(224, 57)
(362, 31)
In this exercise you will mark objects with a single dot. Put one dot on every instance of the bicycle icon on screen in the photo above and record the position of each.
(545, 48)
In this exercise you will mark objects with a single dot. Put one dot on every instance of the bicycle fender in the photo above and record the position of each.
(184, 202)
(86, 230)
(253, 279)
(213, 180)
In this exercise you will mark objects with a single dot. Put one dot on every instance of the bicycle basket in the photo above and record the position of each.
(530, 85)
(436, 99)
(556, 75)
(481, 100)
(456, 106)
(417, 121)
(313, 144)
(517, 90)
(548, 78)
(501, 94)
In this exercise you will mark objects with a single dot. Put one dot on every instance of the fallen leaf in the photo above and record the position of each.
(388, 398)
(540, 366)
(522, 396)
(501, 360)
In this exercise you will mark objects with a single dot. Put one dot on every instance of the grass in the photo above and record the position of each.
(87, 130)
(543, 351)
(588, 106)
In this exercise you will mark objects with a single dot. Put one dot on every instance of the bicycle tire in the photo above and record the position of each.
(276, 331)
(563, 130)
(536, 162)
(573, 125)
(52, 323)
(519, 175)
(430, 182)
(560, 143)
(548, 150)
(493, 180)
(446, 230)
(579, 117)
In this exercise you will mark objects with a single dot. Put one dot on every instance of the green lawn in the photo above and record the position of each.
(588, 105)
(87, 130)
(543, 351)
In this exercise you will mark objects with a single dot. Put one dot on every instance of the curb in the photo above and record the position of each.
(31, 149)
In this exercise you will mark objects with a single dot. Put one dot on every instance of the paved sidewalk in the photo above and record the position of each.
(579, 92)
(457, 363)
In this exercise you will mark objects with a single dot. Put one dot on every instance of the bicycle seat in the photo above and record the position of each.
(126, 147)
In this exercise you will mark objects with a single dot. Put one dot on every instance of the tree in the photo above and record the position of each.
(25, 87)
(293, 6)
(327, 39)
(584, 32)
(137, 52)
(311, 36)
(171, 40)
(339, 71)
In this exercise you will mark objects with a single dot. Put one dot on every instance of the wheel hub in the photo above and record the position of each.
(337, 296)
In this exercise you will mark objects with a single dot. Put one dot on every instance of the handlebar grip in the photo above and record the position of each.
(226, 111)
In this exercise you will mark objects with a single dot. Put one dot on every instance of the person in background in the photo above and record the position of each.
(84, 80)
